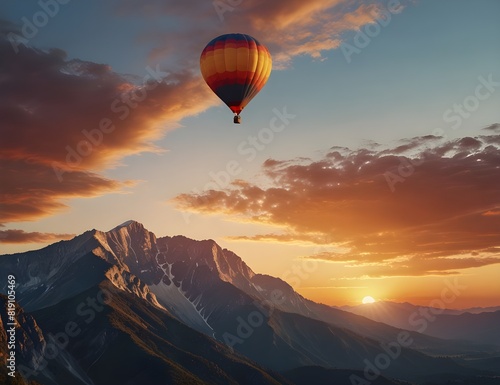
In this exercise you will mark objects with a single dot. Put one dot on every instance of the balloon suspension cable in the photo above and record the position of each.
(237, 119)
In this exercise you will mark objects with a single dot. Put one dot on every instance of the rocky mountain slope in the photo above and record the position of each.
(193, 312)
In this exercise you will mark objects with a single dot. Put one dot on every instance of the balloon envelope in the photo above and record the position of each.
(236, 67)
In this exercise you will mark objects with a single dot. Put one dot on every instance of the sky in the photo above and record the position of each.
(369, 164)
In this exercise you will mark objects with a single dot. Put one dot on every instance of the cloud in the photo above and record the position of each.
(316, 239)
(381, 266)
(441, 217)
(333, 287)
(293, 27)
(20, 236)
(493, 127)
(65, 121)
(31, 190)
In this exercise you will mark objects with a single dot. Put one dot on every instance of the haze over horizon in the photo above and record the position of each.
(369, 164)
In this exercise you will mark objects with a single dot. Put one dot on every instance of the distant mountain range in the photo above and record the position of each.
(125, 307)
(481, 325)
(409, 308)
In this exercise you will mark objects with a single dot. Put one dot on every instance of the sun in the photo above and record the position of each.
(368, 299)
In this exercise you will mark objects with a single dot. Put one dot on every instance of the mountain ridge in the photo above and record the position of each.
(475, 324)
(212, 290)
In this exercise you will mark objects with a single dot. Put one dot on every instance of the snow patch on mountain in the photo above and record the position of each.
(125, 224)
(175, 300)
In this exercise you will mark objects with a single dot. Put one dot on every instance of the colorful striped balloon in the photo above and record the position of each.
(236, 67)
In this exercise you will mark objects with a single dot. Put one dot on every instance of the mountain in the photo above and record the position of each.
(110, 334)
(30, 342)
(318, 375)
(127, 340)
(477, 310)
(479, 325)
(193, 312)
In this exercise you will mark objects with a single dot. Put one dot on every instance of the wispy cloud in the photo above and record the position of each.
(20, 236)
(54, 145)
(332, 287)
(292, 27)
(441, 219)
(493, 127)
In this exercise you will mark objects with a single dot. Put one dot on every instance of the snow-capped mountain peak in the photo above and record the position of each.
(128, 223)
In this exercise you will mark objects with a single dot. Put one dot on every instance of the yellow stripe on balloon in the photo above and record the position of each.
(220, 61)
(230, 59)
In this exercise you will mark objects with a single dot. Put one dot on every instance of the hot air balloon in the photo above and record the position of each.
(236, 67)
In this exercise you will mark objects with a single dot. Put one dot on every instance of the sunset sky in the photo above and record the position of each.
(383, 180)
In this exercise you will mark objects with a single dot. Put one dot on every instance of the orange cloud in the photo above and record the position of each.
(31, 190)
(20, 236)
(64, 121)
(492, 212)
(382, 265)
(438, 219)
(316, 239)
(292, 27)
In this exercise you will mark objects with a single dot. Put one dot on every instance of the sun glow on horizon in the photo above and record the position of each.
(368, 299)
